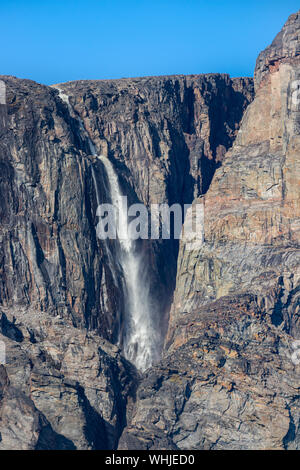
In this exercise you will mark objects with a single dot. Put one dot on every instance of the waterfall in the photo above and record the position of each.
(140, 340)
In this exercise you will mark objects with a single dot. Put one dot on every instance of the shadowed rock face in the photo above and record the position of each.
(227, 380)
(48, 250)
(50, 258)
(165, 135)
(60, 294)
(61, 387)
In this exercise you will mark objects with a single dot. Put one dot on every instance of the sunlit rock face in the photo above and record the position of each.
(252, 208)
(229, 378)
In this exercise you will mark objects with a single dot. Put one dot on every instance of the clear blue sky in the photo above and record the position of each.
(60, 40)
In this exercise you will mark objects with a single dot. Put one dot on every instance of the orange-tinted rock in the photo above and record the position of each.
(235, 314)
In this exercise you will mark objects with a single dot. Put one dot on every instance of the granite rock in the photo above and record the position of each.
(229, 378)
(61, 387)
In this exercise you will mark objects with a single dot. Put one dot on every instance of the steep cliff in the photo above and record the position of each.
(61, 292)
(50, 257)
(62, 387)
(165, 137)
(227, 379)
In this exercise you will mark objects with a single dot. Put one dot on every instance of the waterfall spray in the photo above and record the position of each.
(140, 340)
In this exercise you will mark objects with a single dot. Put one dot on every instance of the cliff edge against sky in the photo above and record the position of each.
(229, 308)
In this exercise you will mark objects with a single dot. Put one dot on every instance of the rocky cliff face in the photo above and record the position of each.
(165, 137)
(49, 255)
(50, 258)
(64, 385)
(61, 387)
(227, 380)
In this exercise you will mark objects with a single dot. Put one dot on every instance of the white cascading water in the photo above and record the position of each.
(140, 342)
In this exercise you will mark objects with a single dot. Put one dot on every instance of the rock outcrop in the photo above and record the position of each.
(61, 387)
(227, 383)
(227, 379)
